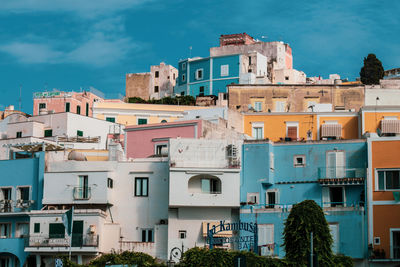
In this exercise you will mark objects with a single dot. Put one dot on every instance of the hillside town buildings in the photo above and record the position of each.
(155, 178)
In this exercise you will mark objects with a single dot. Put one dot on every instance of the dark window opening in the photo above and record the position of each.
(56, 230)
(271, 199)
(141, 187)
(79, 133)
(110, 119)
(19, 134)
(67, 107)
(336, 196)
(201, 91)
(78, 109)
(110, 183)
(87, 109)
(42, 105)
(48, 133)
(156, 74)
(155, 89)
(36, 228)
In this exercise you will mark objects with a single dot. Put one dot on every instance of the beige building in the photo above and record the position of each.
(295, 98)
(289, 76)
(157, 83)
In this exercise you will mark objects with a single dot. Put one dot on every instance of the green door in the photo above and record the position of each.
(77, 234)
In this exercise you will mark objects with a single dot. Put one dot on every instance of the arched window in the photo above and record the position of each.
(163, 121)
(205, 184)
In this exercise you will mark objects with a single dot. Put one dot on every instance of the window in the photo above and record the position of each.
(253, 198)
(164, 121)
(377, 240)
(266, 239)
(110, 183)
(87, 109)
(22, 230)
(42, 105)
(36, 228)
(258, 130)
(67, 107)
(56, 230)
(5, 197)
(201, 89)
(182, 93)
(19, 134)
(388, 180)
(110, 119)
(184, 66)
(155, 89)
(147, 235)
(249, 61)
(182, 234)
(183, 78)
(395, 243)
(78, 109)
(271, 198)
(83, 190)
(291, 130)
(224, 70)
(299, 160)
(211, 186)
(141, 187)
(23, 193)
(286, 78)
(174, 77)
(160, 148)
(258, 106)
(333, 196)
(156, 74)
(142, 121)
(336, 164)
(48, 133)
(79, 133)
(5, 230)
(199, 74)
(280, 106)
(334, 230)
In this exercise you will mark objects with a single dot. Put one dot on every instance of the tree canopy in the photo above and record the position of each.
(372, 71)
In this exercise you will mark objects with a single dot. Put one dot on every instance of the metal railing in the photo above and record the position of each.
(280, 207)
(82, 193)
(20, 205)
(78, 139)
(62, 240)
(340, 172)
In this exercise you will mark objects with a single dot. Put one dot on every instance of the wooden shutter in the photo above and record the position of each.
(292, 132)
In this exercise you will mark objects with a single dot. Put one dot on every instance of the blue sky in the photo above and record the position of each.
(69, 44)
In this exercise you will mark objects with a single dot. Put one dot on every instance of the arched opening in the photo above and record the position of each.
(204, 184)
(9, 259)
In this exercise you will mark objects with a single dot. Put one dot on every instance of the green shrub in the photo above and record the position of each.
(342, 261)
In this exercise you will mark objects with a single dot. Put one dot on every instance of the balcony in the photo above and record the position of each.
(20, 205)
(78, 240)
(341, 176)
(82, 193)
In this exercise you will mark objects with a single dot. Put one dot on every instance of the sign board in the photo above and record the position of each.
(46, 94)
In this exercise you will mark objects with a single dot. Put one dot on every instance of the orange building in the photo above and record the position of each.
(380, 120)
(284, 126)
(384, 198)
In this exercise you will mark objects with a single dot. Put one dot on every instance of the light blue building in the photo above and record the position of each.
(277, 175)
(211, 75)
(21, 190)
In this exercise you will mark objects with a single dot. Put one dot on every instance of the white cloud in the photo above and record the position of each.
(84, 8)
(32, 53)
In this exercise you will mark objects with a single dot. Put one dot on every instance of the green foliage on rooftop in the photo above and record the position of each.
(372, 71)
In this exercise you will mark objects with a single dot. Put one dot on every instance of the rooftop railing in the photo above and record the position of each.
(62, 240)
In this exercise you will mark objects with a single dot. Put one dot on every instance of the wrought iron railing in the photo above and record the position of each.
(20, 205)
(62, 240)
(82, 193)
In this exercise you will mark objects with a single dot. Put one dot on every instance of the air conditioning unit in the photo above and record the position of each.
(164, 221)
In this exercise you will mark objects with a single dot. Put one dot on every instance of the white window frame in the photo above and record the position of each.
(392, 118)
(377, 240)
(18, 229)
(182, 232)
(251, 195)
(266, 250)
(377, 180)
(295, 164)
(278, 106)
(258, 106)
(224, 70)
(326, 195)
(277, 200)
(292, 124)
(391, 240)
(18, 193)
(202, 74)
(257, 125)
(147, 235)
(8, 232)
(1, 192)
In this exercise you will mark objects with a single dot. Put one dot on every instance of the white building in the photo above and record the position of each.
(68, 130)
(204, 188)
(118, 206)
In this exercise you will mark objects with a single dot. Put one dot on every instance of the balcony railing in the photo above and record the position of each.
(20, 205)
(280, 207)
(341, 175)
(78, 240)
(82, 193)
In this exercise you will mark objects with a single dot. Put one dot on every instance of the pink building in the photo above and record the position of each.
(147, 140)
(56, 102)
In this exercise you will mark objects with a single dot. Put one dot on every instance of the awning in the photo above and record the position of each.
(331, 130)
(390, 126)
(220, 234)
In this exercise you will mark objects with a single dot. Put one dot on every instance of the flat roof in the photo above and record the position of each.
(139, 106)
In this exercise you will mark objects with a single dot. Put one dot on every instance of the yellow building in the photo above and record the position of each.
(281, 126)
(382, 120)
(136, 114)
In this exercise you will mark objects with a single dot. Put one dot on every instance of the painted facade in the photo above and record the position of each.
(58, 101)
(384, 200)
(21, 192)
(380, 121)
(281, 126)
(203, 188)
(275, 176)
(137, 114)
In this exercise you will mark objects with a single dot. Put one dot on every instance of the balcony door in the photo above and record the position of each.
(83, 187)
(336, 165)
(77, 234)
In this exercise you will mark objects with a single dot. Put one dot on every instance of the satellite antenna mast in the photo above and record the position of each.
(20, 97)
